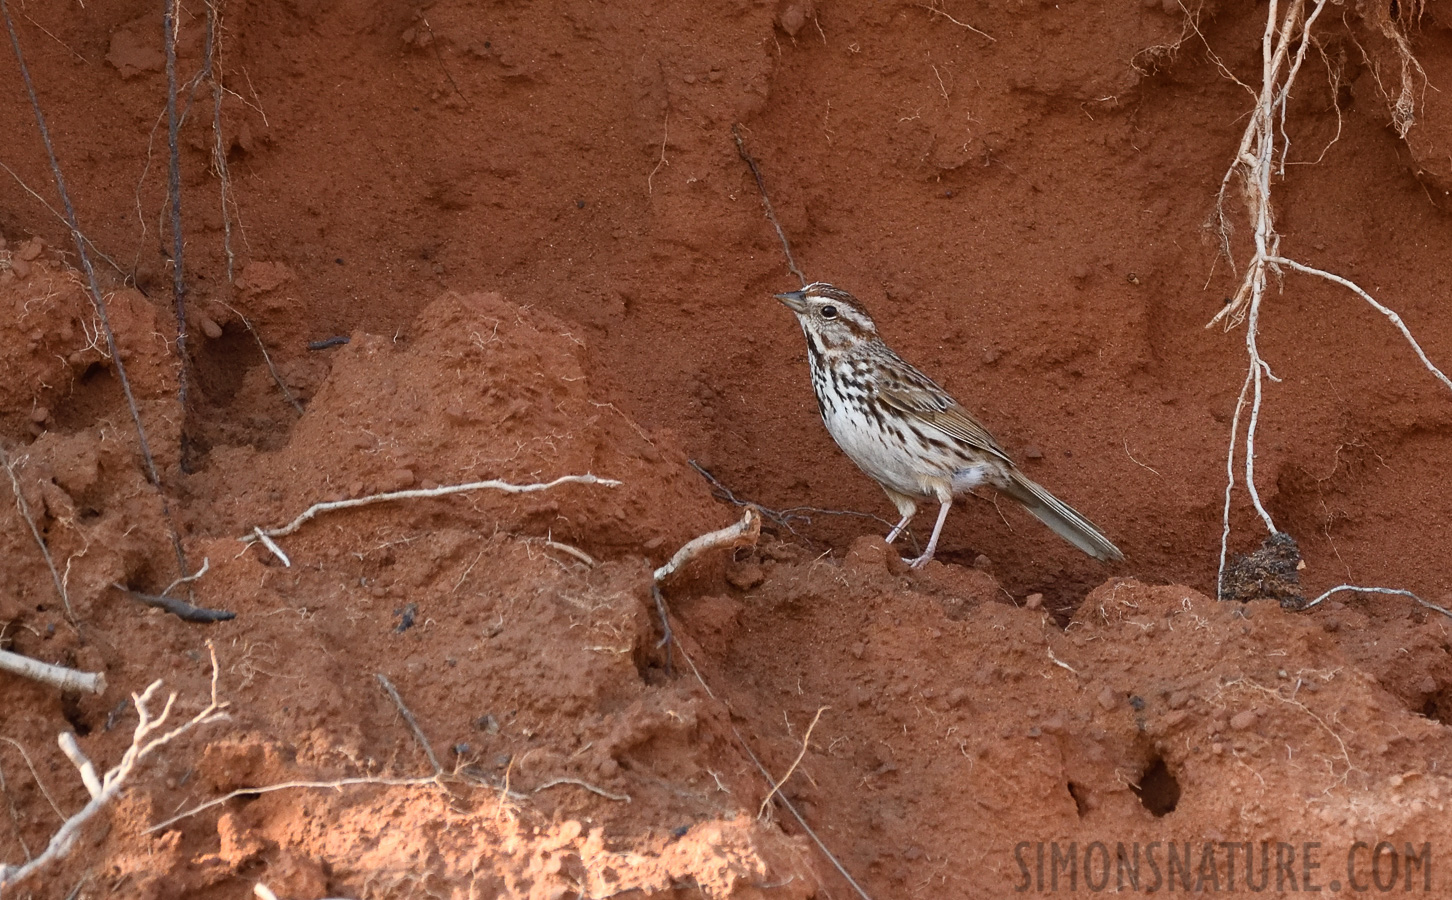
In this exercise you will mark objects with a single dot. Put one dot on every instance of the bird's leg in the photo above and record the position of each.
(902, 523)
(907, 507)
(937, 530)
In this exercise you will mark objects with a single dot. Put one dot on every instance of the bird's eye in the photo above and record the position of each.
(829, 312)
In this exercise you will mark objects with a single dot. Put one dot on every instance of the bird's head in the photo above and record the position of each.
(831, 318)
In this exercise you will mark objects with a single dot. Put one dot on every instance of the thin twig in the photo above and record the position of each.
(271, 546)
(1391, 314)
(99, 302)
(56, 676)
(665, 136)
(766, 202)
(30, 764)
(219, 152)
(781, 517)
(1378, 590)
(14, 816)
(24, 508)
(188, 579)
(576, 552)
(594, 789)
(806, 740)
(286, 786)
(667, 636)
(938, 12)
(266, 357)
(62, 219)
(443, 491)
(403, 710)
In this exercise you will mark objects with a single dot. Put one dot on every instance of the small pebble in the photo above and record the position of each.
(1107, 699)
(211, 329)
(1033, 601)
(1243, 720)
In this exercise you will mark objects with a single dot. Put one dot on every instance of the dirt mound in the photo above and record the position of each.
(536, 231)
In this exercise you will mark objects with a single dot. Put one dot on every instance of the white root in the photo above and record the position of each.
(58, 677)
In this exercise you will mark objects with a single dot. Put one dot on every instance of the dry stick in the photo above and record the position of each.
(766, 202)
(743, 533)
(403, 710)
(1379, 590)
(97, 300)
(443, 491)
(806, 740)
(178, 275)
(105, 789)
(24, 508)
(56, 676)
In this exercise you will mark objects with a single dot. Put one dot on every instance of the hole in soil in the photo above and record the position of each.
(1081, 799)
(1438, 707)
(71, 710)
(1158, 791)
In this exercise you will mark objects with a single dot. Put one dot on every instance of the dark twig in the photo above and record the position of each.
(97, 300)
(443, 66)
(178, 275)
(412, 722)
(766, 202)
(179, 608)
(783, 518)
(329, 342)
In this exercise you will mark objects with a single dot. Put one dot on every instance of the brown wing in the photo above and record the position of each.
(918, 396)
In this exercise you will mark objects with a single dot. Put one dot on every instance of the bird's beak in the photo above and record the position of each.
(796, 301)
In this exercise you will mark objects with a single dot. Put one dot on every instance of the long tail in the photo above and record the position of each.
(1061, 517)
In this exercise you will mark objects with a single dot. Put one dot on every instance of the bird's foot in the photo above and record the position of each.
(919, 562)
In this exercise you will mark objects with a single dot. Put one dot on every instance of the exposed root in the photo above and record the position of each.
(58, 677)
(1284, 45)
(103, 789)
(259, 534)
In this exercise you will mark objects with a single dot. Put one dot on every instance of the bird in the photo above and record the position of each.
(907, 433)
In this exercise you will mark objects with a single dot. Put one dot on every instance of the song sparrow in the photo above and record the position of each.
(908, 433)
